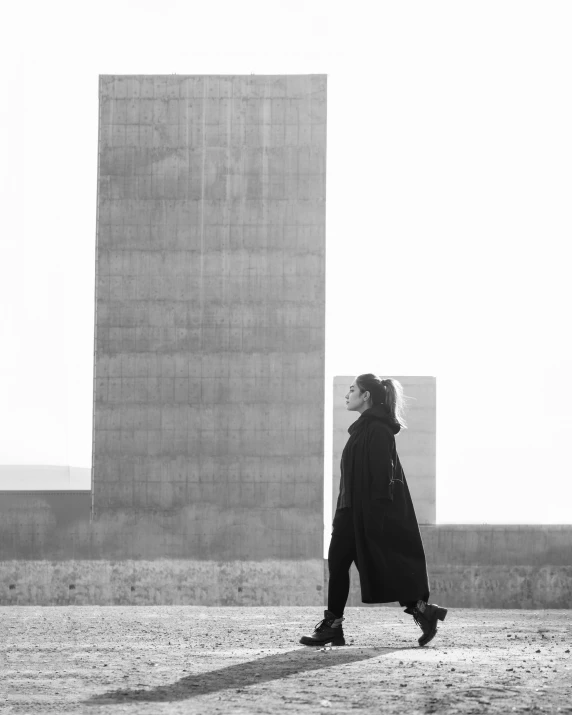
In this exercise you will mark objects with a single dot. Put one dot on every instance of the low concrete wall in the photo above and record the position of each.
(161, 582)
(263, 583)
(51, 554)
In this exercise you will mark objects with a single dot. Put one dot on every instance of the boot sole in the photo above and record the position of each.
(334, 640)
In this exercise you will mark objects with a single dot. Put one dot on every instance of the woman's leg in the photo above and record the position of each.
(341, 554)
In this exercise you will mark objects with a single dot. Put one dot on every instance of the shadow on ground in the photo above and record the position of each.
(238, 677)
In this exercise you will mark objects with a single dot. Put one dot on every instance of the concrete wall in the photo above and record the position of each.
(210, 300)
(50, 554)
(416, 445)
(142, 582)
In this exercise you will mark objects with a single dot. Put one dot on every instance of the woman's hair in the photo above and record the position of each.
(388, 392)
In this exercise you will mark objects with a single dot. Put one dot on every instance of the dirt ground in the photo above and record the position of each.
(194, 659)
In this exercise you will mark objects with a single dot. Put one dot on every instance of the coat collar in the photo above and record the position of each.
(377, 412)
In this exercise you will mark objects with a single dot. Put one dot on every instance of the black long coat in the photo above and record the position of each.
(390, 555)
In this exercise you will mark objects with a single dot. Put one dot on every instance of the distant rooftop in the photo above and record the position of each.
(29, 477)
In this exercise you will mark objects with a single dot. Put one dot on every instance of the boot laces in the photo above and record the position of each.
(422, 621)
(324, 623)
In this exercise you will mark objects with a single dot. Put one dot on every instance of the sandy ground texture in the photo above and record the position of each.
(194, 659)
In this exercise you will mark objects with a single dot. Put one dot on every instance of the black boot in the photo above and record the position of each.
(325, 633)
(426, 616)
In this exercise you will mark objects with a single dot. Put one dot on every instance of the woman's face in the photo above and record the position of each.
(354, 398)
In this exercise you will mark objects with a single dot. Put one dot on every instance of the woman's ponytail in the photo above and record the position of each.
(387, 391)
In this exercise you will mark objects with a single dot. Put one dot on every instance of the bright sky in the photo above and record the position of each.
(448, 215)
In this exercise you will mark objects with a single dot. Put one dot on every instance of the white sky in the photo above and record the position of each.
(448, 215)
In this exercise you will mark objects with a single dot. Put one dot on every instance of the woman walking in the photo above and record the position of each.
(375, 523)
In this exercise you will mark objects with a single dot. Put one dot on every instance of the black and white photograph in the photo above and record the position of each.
(286, 365)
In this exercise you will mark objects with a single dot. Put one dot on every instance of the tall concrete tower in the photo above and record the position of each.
(210, 315)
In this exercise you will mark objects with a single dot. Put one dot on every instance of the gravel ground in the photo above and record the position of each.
(193, 659)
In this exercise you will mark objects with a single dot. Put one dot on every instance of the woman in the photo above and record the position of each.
(375, 524)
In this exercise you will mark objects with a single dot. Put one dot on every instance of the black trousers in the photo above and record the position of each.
(341, 554)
